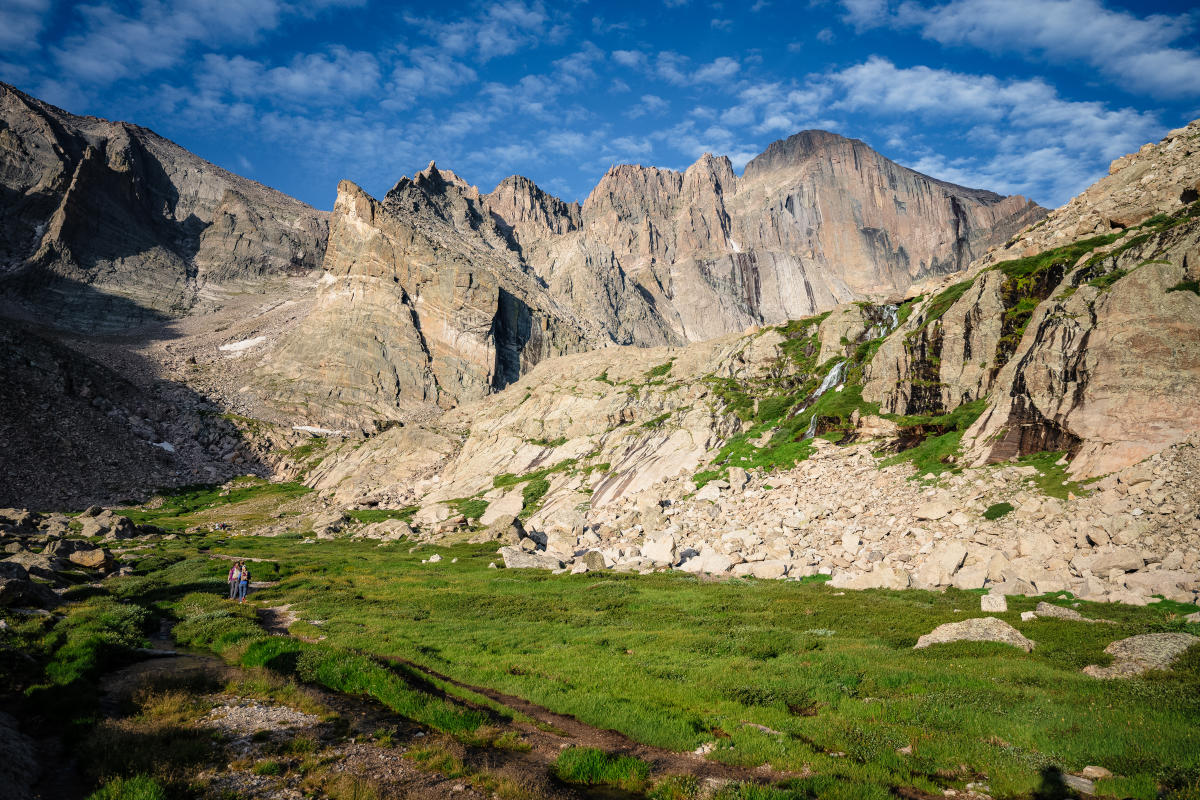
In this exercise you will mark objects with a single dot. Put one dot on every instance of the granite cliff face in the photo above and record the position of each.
(816, 220)
(422, 305)
(108, 225)
(490, 284)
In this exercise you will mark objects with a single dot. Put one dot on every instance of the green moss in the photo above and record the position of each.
(369, 515)
(557, 442)
(1051, 477)
(658, 421)
(660, 370)
(998, 510)
(1105, 282)
(509, 479)
(1186, 286)
(941, 302)
(469, 507)
(531, 496)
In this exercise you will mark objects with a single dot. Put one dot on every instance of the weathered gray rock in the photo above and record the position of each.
(1101, 562)
(1139, 654)
(516, 558)
(979, 629)
(660, 550)
(16, 592)
(993, 602)
(594, 560)
(879, 577)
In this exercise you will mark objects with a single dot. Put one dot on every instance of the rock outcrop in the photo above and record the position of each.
(106, 225)
(491, 284)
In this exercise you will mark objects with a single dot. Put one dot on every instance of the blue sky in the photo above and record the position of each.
(1018, 96)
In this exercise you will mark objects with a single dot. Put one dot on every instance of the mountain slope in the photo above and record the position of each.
(108, 225)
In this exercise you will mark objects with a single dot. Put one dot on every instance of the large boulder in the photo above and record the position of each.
(77, 551)
(1101, 562)
(39, 565)
(506, 530)
(979, 629)
(516, 558)
(24, 593)
(941, 564)
(880, 577)
(11, 570)
(660, 550)
(1139, 654)
(388, 530)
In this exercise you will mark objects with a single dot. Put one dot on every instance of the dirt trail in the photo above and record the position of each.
(571, 732)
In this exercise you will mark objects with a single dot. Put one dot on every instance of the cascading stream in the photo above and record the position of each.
(832, 378)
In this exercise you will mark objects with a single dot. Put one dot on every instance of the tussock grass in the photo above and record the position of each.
(589, 765)
(139, 787)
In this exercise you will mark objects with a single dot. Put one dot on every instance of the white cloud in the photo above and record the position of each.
(721, 24)
(633, 59)
(499, 30)
(158, 35)
(21, 22)
(427, 73)
(650, 104)
(338, 76)
(1144, 54)
(1039, 142)
(721, 69)
(865, 13)
(677, 69)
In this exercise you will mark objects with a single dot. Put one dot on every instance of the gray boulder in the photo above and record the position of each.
(979, 629)
(15, 592)
(1139, 654)
(516, 558)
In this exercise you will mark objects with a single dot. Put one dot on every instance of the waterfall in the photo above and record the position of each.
(834, 377)
(887, 325)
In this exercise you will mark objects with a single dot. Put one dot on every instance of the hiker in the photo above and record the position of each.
(243, 583)
(234, 578)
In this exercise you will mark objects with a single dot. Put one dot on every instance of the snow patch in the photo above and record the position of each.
(315, 431)
(170, 448)
(736, 247)
(245, 344)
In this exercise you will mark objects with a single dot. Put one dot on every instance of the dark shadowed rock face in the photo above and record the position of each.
(109, 225)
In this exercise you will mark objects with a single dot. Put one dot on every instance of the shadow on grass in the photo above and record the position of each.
(1053, 786)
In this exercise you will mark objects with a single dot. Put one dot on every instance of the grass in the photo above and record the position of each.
(139, 787)
(249, 500)
(997, 510)
(658, 372)
(587, 765)
(1186, 286)
(469, 507)
(370, 515)
(675, 662)
(1051, 477)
